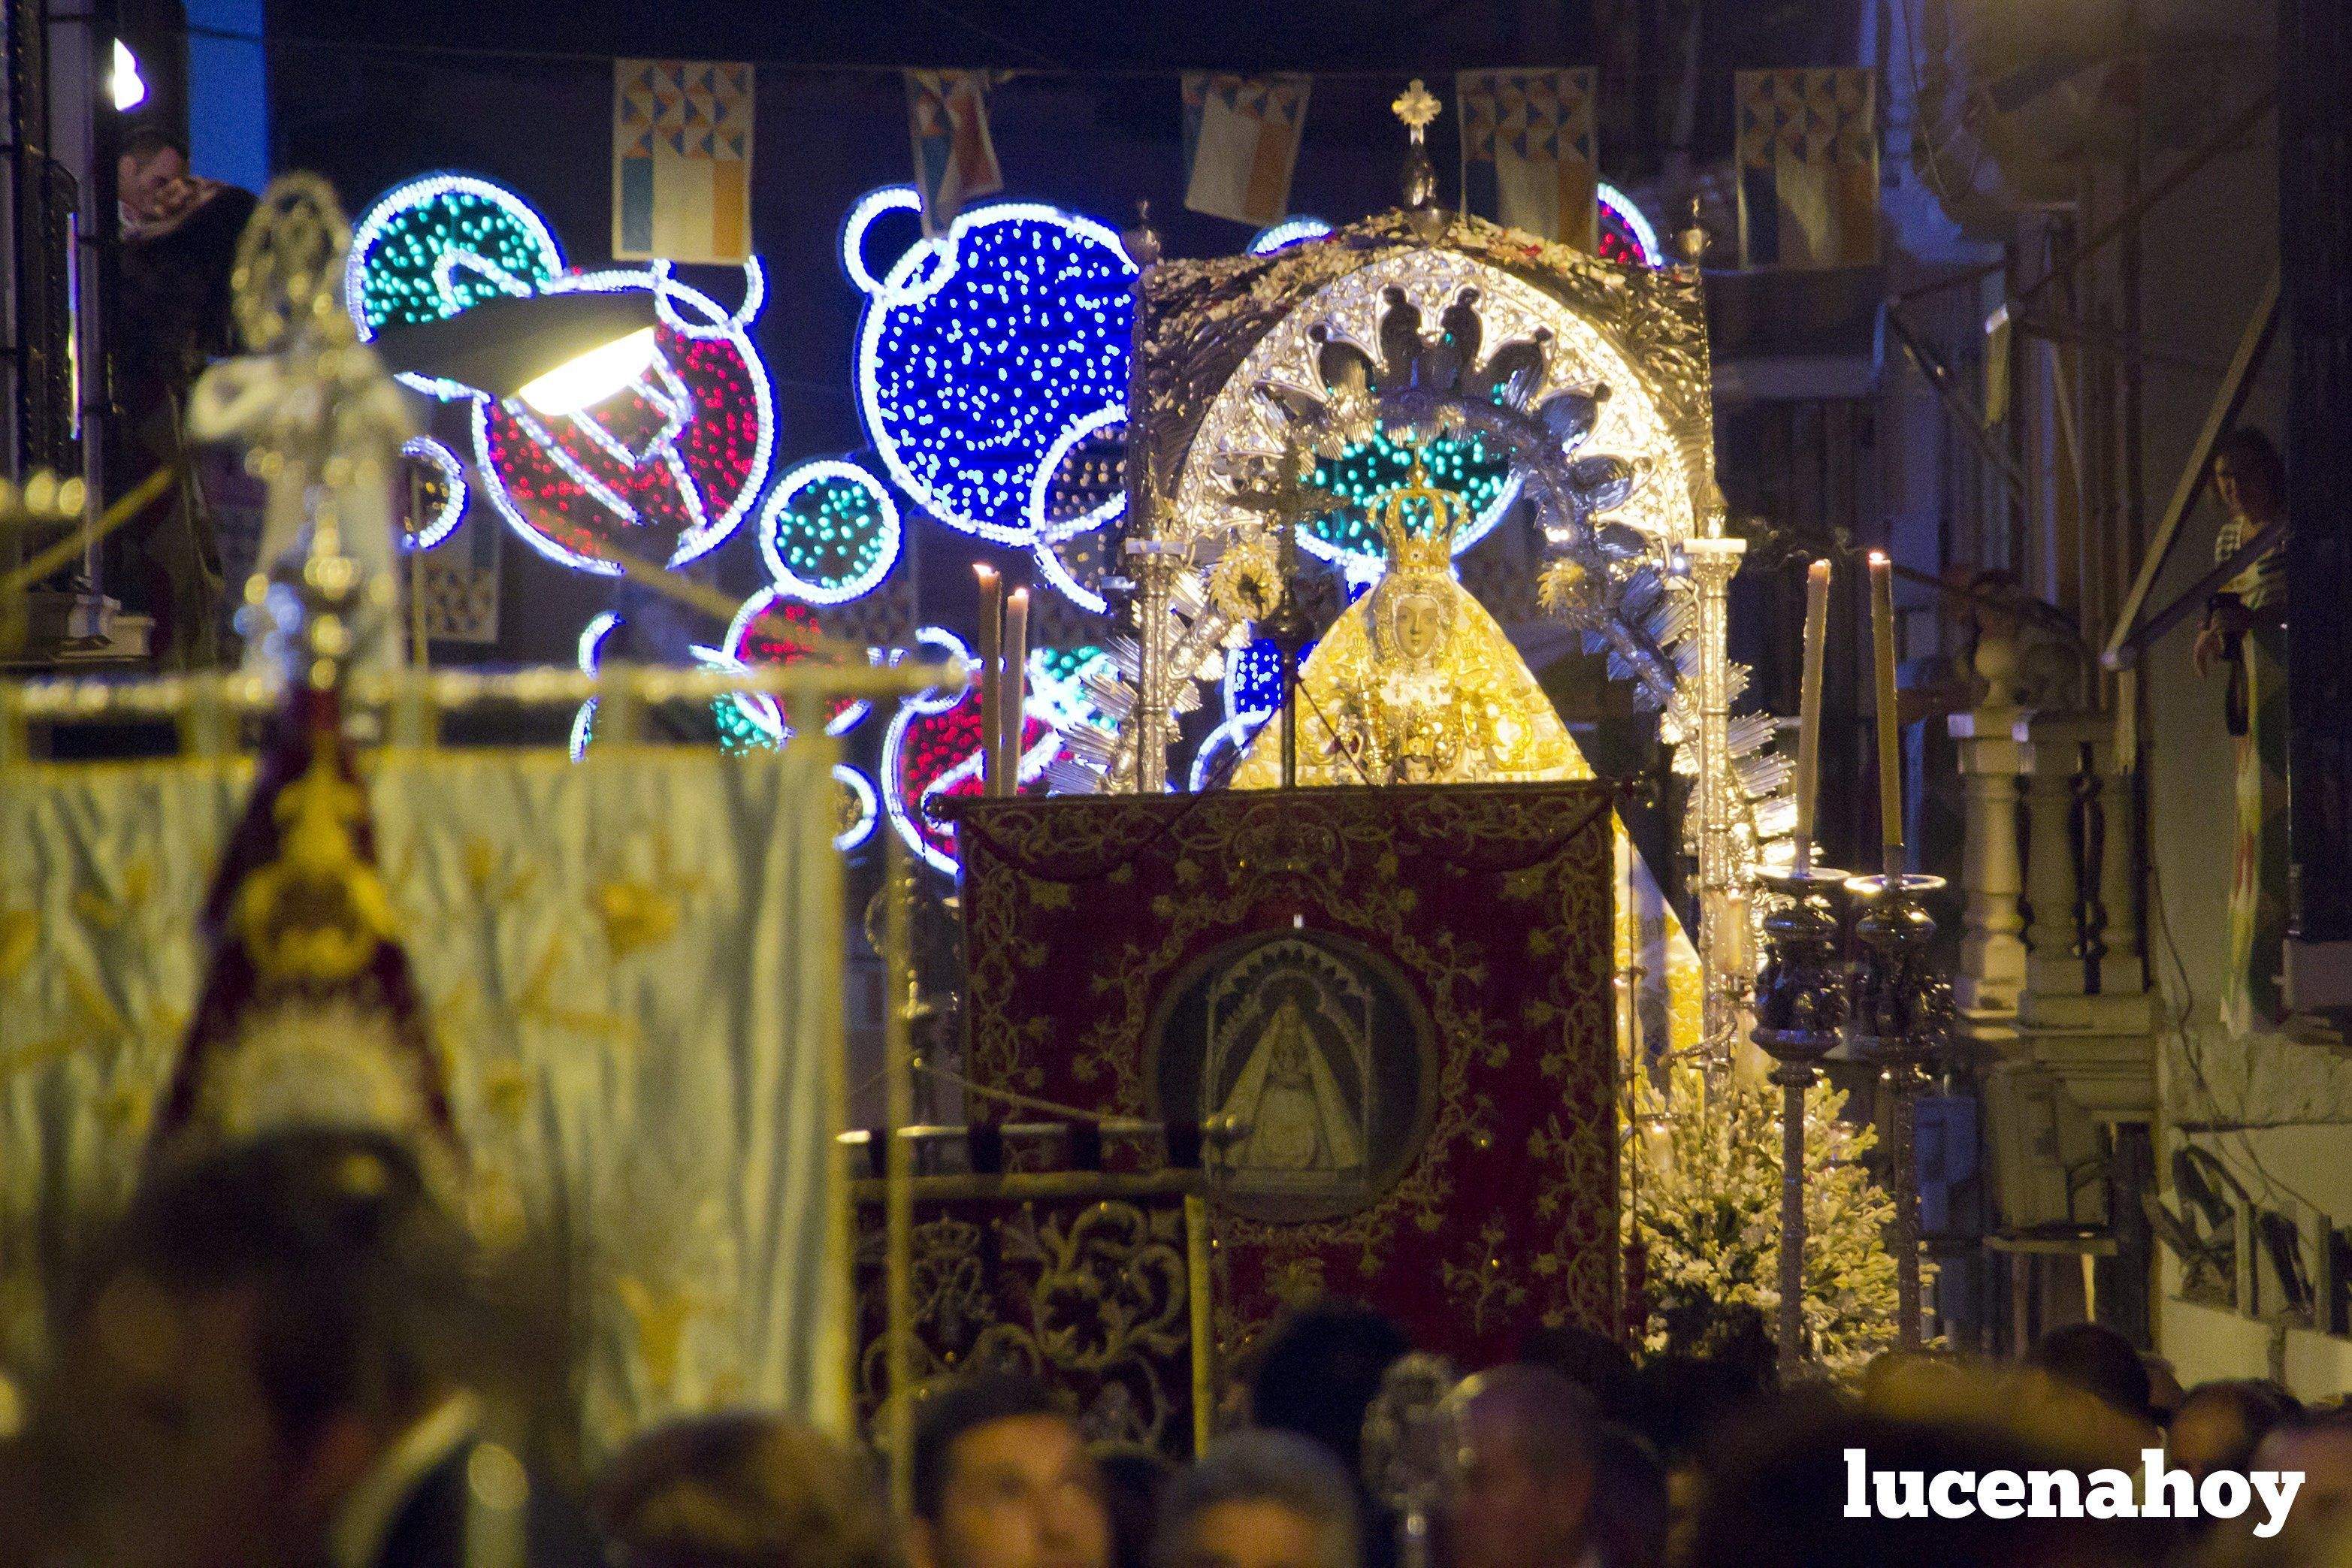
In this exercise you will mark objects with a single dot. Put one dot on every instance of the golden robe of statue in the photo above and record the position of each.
(1415, 683)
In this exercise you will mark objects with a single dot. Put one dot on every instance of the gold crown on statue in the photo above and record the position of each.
(1419, 552)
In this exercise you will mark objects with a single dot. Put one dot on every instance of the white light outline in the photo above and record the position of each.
(862, 214)
(932, 700)
(894, 293)
(850, 838)
(453, 473)
(1043, 480)
(795, 480)
(590, 650)
(1231, 733)
(1617, 201)
(1288, 232)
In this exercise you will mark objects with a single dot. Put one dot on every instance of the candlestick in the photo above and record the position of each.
(1016, 693)
(1890, 766)
(1809, 710)
(992, 672)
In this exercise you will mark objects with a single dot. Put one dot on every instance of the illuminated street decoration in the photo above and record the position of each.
(762, 633)
(1625, 234)
(667, 468)
(982, 348)
(931, 749)
(1364, 474)
(829, 532)
(1288, 232)
(444, 487)
(858, 812)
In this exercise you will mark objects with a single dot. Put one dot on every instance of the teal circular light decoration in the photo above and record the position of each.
(1366, 472)
(829, 532)
(429, 248)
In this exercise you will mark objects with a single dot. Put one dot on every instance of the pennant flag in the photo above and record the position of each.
(681, 161)
(955, 160)
(1807, 155)
(1529, 155)
(1241, 143)
(309, 1012)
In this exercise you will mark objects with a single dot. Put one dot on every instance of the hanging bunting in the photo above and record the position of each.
(1529, 153)
(681, 161)
(1808, 153)
(1241, 143)
(955, 160)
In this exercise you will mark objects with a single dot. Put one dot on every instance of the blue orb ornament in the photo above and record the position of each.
(982, 349)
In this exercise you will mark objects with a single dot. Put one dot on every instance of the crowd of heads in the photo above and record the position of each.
(286, 1355)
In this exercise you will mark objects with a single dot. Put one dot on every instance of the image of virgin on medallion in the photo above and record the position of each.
(1314, 1059)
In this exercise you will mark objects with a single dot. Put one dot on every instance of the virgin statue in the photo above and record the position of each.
(1416, 683)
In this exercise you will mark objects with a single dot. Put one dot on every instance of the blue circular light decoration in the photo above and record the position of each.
(980, 349)
(829, 532)
(1254, 678)
(1288, 232)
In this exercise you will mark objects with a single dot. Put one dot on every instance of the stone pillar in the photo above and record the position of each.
(1993, 871)
(2085, 1011)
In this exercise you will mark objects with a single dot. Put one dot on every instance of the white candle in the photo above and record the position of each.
(1809, 710)
(991, 659)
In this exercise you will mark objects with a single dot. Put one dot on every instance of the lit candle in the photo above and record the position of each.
(1016, 695)
(1890, 764)
(991, 657)
(1809, 710)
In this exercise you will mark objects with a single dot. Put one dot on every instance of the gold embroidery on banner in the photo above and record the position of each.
(316, 915)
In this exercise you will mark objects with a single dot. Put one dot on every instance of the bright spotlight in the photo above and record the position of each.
(128, 89)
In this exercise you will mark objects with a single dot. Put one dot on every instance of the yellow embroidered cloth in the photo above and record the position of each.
(633, 968)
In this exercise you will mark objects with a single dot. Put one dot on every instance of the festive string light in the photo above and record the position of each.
(681, 453)
(451, 479)
(1625, 234)
(1254, 678)
(829, 532)
(1288, 232)
(981, 348)
(589, 652)
(763, 633)
(860, 792)
(1364, 474)
(685, 450)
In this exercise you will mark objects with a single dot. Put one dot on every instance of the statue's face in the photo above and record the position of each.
(1420, 626)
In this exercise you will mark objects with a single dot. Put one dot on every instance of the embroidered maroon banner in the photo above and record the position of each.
(1392, 1005)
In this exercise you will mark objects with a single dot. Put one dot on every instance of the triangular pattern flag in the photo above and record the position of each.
(1241, 145)
(955, 158)
(1807, 155)
(683, 194)
(1529, 159)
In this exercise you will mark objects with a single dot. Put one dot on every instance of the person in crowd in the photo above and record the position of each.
(1596, 1361)
(1523, 1492)
(2093, 1359)
(1317, 1375)
(743, 1490)
(1631, 1512)
(2163, 1391)
(2244, 633)
(1778, 1485)
(1259, 1499)
(269, 1366)
(179, 248)
(2319, 1442)
(1002, 1479)
(1320, 1372)
(1134, 1479)
(2219, 1425)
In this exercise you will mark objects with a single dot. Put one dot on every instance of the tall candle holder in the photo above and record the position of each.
(1801, 1008)
(1899, 1010)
